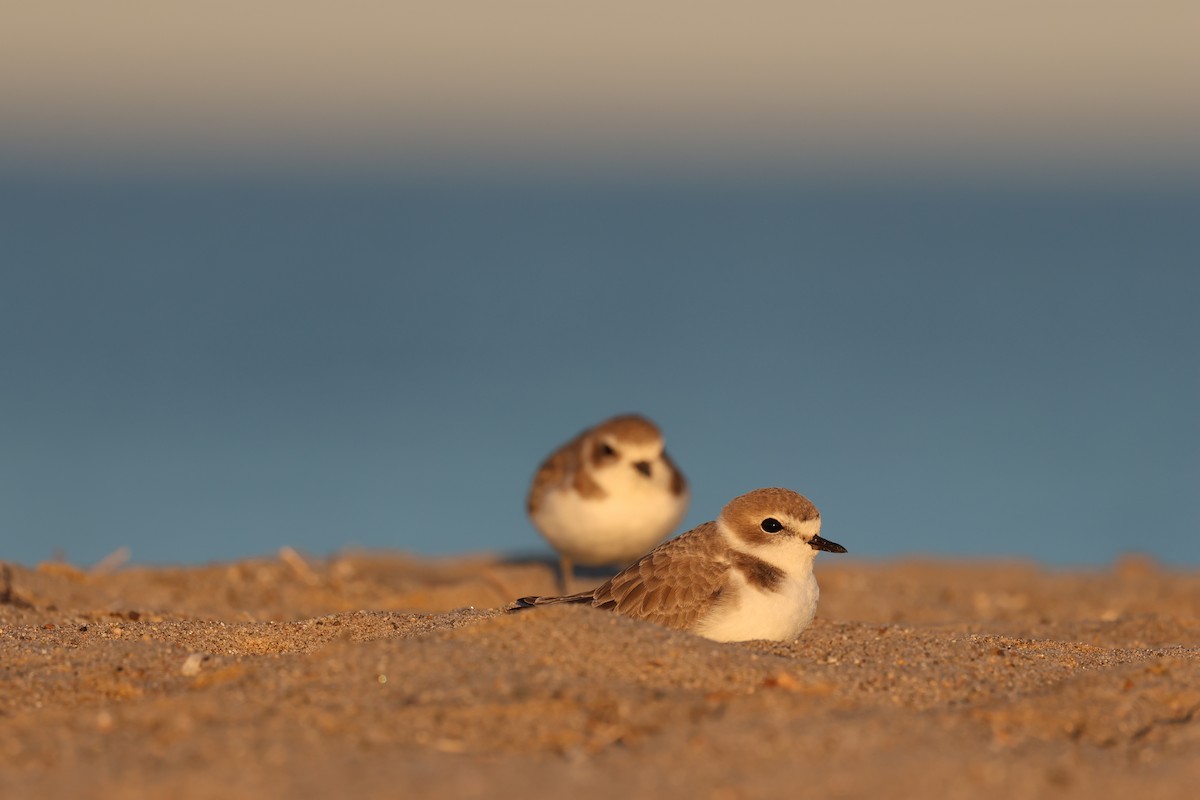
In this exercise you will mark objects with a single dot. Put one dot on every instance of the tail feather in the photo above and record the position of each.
(535, 600)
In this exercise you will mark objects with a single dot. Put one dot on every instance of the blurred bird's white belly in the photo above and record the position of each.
(615, 529)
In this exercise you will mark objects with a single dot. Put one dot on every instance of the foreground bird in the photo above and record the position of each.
(607, 496)
(748, 575)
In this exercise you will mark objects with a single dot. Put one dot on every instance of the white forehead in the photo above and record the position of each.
(804, 527)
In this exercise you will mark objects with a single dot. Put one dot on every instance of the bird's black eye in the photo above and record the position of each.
(606, 449)
(772, 525)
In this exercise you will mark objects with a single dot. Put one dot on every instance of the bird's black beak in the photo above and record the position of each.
(642, 467)
(817, 543)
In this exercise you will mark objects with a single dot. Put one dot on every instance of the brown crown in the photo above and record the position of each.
(752, 507)
(629, 428)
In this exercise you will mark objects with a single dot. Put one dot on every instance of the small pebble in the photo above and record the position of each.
(191, 665)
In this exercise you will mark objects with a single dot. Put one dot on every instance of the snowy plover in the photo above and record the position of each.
(748, 575)
(608, 495)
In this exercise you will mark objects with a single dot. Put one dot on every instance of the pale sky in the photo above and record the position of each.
(1075, 83)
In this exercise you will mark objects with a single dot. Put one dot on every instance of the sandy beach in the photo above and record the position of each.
(381, 674)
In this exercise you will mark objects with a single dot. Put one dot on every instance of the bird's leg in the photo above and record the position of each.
(8, 595)
(566, 571)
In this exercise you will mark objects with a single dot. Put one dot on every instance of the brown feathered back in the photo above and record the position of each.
(671, 585)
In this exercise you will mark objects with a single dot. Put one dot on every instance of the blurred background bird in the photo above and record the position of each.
(608, 495)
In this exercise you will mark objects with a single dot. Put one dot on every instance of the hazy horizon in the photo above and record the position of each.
(847, 88)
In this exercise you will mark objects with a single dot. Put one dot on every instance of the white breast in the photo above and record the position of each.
(752, 613)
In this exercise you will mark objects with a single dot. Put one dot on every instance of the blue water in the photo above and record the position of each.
(208, 368)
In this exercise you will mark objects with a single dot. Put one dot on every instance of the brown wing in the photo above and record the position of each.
(678, 482)
(563, 465)
(551, 473)
(675, 585)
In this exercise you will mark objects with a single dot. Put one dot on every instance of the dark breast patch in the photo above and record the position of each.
(758, 573)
